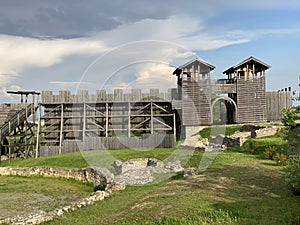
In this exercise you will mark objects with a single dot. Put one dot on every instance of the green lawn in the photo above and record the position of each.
(239, 187)
(22, 195)
(226, 130)
(236, 189)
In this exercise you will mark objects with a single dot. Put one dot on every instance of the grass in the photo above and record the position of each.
(71, 160)
(86, 158)
(228, 129)
(237, 188)
(258, 146)
(24, 195)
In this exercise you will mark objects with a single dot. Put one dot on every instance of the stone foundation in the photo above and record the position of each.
(42, 216)
(140, 171)
(101, 178)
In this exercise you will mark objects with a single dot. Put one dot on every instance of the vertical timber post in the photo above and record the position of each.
(84, 123)
(106, 119)
(61, 128)
(37, 148)
(25, 128)
(33, 110)
(174, 127)
(151, 119)
(129, 121)
(9, 145)
(0, 145)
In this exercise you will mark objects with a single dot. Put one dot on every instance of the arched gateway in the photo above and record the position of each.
(228, 110)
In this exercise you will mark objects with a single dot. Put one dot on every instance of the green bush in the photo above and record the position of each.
(295, 217)
(289, 117)
(292, 174)
(280, 159)
(270, 152)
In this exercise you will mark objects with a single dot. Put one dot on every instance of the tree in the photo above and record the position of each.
(289, 117)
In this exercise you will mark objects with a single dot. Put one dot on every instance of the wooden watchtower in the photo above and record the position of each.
(249, 77)
(194, 92)
(242, 94)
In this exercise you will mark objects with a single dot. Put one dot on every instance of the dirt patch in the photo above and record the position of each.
(12, 204)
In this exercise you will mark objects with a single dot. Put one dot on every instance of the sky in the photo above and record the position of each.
(72, 45)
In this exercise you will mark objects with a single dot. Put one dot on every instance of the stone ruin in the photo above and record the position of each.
(221, 141)
(141, 171)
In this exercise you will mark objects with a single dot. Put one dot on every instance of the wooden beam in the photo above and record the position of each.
(25, 128)
(151, 120)
(84, 122)
(37, 148)
(9, 148)
(129, 120)
(146, 120)
(106, 119)
(174, 127)
(0, 148)
(61, 128)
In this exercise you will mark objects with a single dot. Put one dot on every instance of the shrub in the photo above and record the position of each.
(269, 152)
(280, 158)
(292, 174)
(295, 217)
(289, 117)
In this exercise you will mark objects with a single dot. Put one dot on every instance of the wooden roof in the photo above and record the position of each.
(211, 67)
(251, 59)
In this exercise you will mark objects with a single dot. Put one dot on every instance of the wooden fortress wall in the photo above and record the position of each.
(146, 120)
(106, 121)
(253, 103)
(251, 100)
(276, 102)
(196, 102)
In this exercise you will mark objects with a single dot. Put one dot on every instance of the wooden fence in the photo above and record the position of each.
(276, 102)
(102, 96)
(93, 143)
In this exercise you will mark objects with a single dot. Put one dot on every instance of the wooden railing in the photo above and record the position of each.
(17, 114)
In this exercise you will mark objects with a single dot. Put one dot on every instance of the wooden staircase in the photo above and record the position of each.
(16, 133)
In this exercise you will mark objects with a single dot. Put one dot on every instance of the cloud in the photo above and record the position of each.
(177, 35)
(18, 53)
(73, 85)
(6, 78)
(154, 75)
(65, 19)
(173, 29)
(4, 97)
(148, 75)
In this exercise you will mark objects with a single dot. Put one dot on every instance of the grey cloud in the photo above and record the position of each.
(77, 18)
(63, 19)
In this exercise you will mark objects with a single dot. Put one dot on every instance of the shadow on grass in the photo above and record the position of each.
(255, 195)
